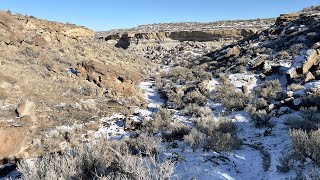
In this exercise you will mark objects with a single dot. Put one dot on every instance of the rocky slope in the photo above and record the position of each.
(291, 46)
(171, 32)
(54, 74)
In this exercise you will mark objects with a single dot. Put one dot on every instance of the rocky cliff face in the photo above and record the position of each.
(203, 32)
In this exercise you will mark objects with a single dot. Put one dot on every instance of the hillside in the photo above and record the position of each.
(222, 100)
(58, 74)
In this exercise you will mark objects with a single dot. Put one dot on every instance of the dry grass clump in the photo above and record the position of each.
(213, 134)
(230, 97)
(99, 160)
(269, 89)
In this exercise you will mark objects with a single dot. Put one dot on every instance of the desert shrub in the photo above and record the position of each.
(309, 119)
(294, 87)
(195, 97)
(240, 69)
(300, 142)
(260, 118)
(143, 144)
(306, 144)
(180, 75)
(242, 60)
(313, 174)
(195, 139)
(196, 111)
(30, 52)
(269, 89)
(163, 123)
(200, 74)
(202, 86)
(160, 121)
(105, 160)
(286, 163)
(86, 90)
(298, 122)
(311, 114)
(176, 98)
(230, 97)
(176, 131)
(260, 103)
(312, 97)
(218, 134)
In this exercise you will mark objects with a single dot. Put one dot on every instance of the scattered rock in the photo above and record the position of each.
(88, 105)
(26, 108)
(233, 52)
(311, 60)
(309, 77)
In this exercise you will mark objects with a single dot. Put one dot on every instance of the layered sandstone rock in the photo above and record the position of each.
(167, 32)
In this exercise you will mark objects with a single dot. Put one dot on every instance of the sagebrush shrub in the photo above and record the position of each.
(99, 160)
(160, 121)
(195, 139)
(269, 89)
(306, 144)
(230, 97)
(196, 111)
(216, 134)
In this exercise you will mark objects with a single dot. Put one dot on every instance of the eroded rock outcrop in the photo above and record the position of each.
(203, 32)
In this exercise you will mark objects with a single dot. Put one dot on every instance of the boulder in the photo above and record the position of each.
(233, 52)
(311, 60)
(88, 105)
(309, 77)
(292, 73)
(26, 108)
(11, 140)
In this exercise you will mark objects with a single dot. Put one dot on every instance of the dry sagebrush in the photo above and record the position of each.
(99, 160)
(213, 134)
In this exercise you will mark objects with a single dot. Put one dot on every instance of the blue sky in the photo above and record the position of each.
(111, 14)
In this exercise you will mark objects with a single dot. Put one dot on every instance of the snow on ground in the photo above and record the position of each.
(246, 163)
(114, 128)
(240, 80)
(152, 97)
